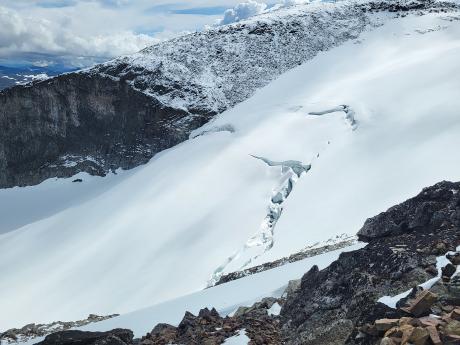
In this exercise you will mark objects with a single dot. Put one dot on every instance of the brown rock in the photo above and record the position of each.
(452, 328)
(429, 321)
(394, 332)
(455, 314)
(405, 321)
(385, 324)
(419, 336)
(422, 303)
(404, 332)
(407, 331)
(434, 335)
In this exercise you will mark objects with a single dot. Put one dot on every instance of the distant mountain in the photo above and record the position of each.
(12, 76)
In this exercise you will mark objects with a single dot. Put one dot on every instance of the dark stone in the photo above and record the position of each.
(434, 207)
(114, 337)
(92, 121)
(448, 270)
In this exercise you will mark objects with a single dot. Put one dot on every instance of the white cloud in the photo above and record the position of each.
(242, 11)
(294, 2)
(252, 8)
(21, 34)
(82, 32)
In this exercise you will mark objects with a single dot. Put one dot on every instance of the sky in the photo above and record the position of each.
(79, 33)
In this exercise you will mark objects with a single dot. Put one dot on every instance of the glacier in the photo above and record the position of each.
(155, 233)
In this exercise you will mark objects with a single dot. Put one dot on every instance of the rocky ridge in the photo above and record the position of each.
(32, 331)
(344, 295)
(119, 114)
(310, 251)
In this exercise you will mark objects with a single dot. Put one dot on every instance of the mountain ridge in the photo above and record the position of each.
(121, 113)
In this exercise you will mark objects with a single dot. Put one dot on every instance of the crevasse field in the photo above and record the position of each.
(159, 232)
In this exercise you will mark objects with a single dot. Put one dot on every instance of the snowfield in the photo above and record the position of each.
(161, 231)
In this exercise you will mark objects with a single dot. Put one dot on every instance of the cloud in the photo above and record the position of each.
(242, 11)
(56, 3)
(294, 2)
(205, 11)
(21, 34)
(84, 32)
(252, 8)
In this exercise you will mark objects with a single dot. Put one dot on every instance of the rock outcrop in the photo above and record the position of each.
(212, 329)
(32, 331)
(114, 337)
(427, 211)
(331, 303)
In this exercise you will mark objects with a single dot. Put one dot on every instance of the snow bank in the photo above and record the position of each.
(240, 339)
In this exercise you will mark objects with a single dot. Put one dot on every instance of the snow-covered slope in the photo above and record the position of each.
(225, 298)
(207, 72)
(208, 206)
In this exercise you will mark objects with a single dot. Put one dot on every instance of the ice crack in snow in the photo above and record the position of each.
(349, 114)
(263, 240)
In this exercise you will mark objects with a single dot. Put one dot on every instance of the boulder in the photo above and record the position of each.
(455, 314)
(74, 337)
(448, 270)
(452, 328)
(385, 324)
(422, 304)
(419, 336)
(454, 258)
(421, 212)
(434, 335)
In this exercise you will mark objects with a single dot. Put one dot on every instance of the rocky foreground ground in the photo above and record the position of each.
(339, 305)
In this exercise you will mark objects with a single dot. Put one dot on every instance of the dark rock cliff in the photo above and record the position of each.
(331, 302)
(81, 122)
